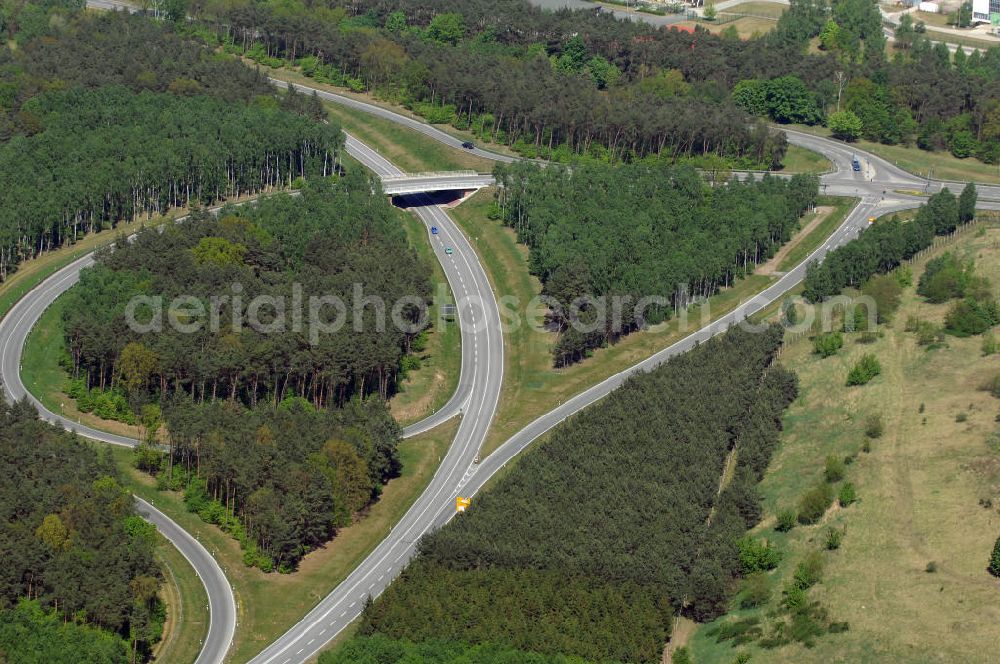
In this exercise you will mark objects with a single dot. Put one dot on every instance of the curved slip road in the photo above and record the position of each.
(475, 398)
(457, 472)
(874, 185)
(477, 394)
(14, 329)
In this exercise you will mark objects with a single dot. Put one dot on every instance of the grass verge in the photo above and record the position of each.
(938, 165)
(187, 617)
(410, 150)
(808, 244)
(428, 388)
(800, 160)
(961, 40)
(294, 76)
(33, 272)
(928, 491)
(746, 26)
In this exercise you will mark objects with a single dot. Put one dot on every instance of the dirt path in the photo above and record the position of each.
(679, 636)
(822, 212)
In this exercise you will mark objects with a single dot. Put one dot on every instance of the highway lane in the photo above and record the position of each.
(476, 399)
(478, 391)
(467, 280)
(14, 329)
(398, 118)
(874, 185)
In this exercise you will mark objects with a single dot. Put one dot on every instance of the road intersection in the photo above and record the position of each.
(475, 400)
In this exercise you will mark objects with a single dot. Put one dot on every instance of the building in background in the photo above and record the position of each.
(986, 11)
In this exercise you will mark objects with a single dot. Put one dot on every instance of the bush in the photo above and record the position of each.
(756, 556)
(834, 470)
(886, 291)
(994, 566)
(844, 125)
(196, 496)
(814, 503)
(147, 458)
(866, 368)
(961, 417)
(756, 591)
(990, 345)
(808, 572)
(786, 521)
(681, 656)
(970, 317)
(828, 344)
(834, 537)
(847, 494)
(874, 427)
(945, 278)
(931, 567)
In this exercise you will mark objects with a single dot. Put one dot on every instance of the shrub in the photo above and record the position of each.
(962, 417)
(886, 291)
(756, 591)
(931, 567)
(794, 597)
(808, 572)
(866, 368)
(970, 317)
(834, 470)
(834, 537)
(786, 521)
(757, 556)
(828, 344)
(990, 345)
(874, 427)
(681, 656)
(196, 495)
(847, 494)
(147, 458)
(814, 503)
(994, 565)
(945, 278)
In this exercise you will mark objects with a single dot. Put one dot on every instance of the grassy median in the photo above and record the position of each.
(187, 617)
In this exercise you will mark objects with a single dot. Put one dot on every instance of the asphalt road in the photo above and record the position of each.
(476, 395)
(479, 383)
(14, 329)
(475, 398)
(874, 185)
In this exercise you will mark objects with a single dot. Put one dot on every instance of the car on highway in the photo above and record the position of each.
(469, 145)
(448, 251)
(856, 163)
(434, 230)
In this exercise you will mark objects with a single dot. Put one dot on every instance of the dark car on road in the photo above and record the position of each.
(469, 145)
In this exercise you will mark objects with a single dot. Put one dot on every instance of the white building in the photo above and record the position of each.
(986, 11)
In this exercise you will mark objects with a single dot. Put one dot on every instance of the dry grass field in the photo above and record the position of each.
(922, 490)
